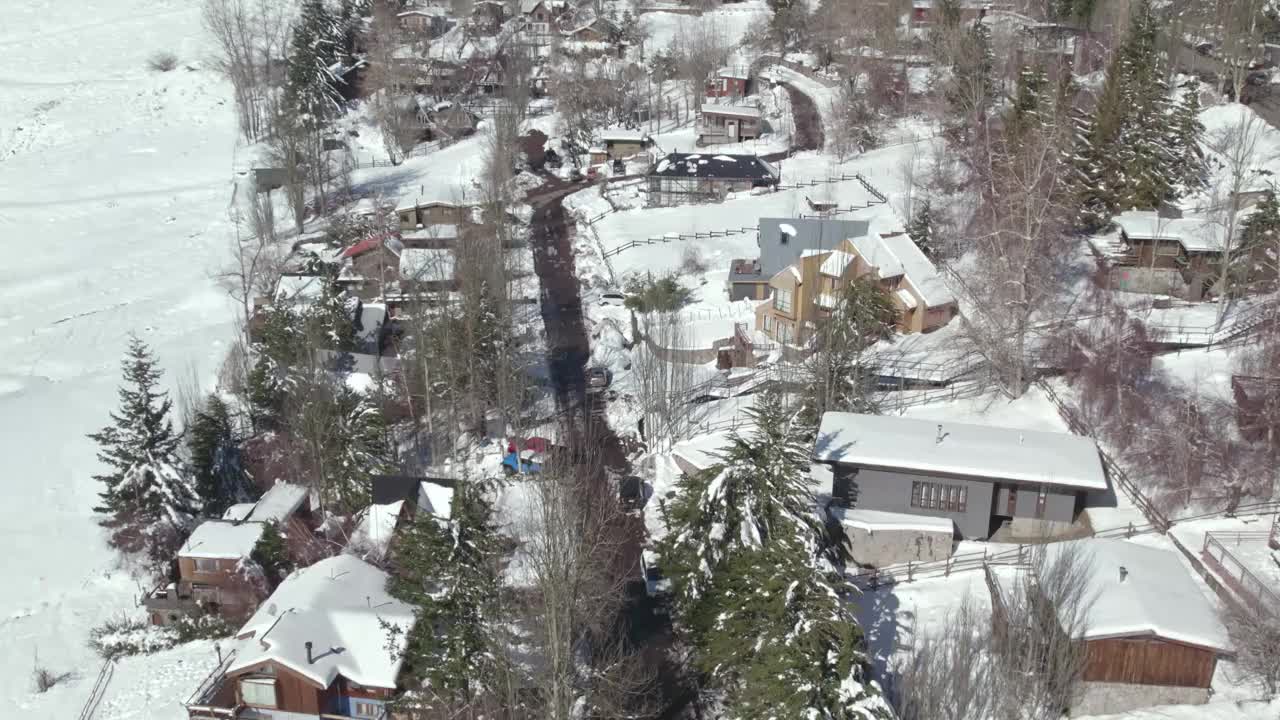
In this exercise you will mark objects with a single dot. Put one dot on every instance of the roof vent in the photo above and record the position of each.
(310, 660)
(941, 435)
(1124, 573)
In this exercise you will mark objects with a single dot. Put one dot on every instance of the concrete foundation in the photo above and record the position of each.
(878, 548)
(1035, 529)
(1099, 698)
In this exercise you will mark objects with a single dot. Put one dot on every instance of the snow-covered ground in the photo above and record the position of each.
(114, 184)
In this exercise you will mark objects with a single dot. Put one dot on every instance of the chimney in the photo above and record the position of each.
(309, 658)
(938, 440)
(1124, 573)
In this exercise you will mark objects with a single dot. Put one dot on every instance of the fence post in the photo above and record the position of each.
(1129, 534)
(908, 570)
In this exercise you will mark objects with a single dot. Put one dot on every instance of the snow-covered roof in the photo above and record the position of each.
(373, 533)
(906, 298)
(873, 520)
(897, 254)
(372, 317)
(291, 288)
(339, 605)
(731, 110)
(409, 202)
(1196, 234)
(979, 451)
(432, 232)
(1157, 595)
(221, 540)
(426, 264)
(623, 136)
(436, 499)
(734, 72)
(238, 512)
(528, 6)
(703, 451)
(873, 250)
(736, 167)
(279, 503)
(836, 263)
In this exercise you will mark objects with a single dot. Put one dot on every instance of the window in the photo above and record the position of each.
(1168, 249)
(782, 300)
(258, 691)
(206, 565)
(936, 496)
(1041, 498)
(365, 709)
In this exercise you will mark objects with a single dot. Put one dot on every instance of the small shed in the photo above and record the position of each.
(1152, 636)
(876, 538)
(729, 124)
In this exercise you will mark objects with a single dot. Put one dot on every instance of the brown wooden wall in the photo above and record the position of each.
(1149, 661)
(293, 692)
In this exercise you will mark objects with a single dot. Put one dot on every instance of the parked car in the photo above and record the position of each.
(525, 462)
(619, 167)
(552, 159)
(594, 172)
(598, 378)
(613, 297)
(655, 585)
(575, 175)
(631, 493)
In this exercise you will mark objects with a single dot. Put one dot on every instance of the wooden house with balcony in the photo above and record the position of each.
(208, 567)
(723, 124)
(320, 647)
(1149, 253)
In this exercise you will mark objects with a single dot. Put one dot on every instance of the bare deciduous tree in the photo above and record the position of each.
(1026, 662)
(251, 37)
(1255, 633)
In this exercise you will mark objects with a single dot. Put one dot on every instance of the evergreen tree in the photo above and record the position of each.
(310, 85)
(272, 555)
(921, 230)
(346, 438)
(806, 661)
(788, 23)
(1259, 254)
(145, 497)
(1188, 171)
(838, 377)
(448, 570)
(745, 555)
(1031, 103)
(216, 460)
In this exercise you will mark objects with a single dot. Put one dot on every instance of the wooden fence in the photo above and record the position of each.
(1257, 593)
(1078, 426)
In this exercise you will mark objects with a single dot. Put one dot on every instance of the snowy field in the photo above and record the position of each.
(114, 184)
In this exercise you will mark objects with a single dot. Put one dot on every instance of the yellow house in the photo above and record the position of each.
(805, 292)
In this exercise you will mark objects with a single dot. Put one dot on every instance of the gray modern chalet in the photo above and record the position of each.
(981, 477)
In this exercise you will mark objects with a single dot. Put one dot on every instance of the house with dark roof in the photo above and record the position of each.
(681, 178)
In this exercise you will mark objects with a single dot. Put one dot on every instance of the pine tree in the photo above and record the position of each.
(216, 461)
(272, 555)
(448, 570)
(745, 555)
(310, 86)
(1259, 254)
(1188, 171)
(921, 230)
(1031, 103)
(146, 498)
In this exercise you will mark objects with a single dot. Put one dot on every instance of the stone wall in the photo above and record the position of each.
(1098, 698)
(878, 548)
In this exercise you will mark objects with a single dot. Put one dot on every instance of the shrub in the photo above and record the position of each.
(665, 294)
(45, 678)
(130, 636)
(162, 61)
(691, 260)
(201, 627)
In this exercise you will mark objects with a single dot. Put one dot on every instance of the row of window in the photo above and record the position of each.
(936, 496)
(261, 692)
